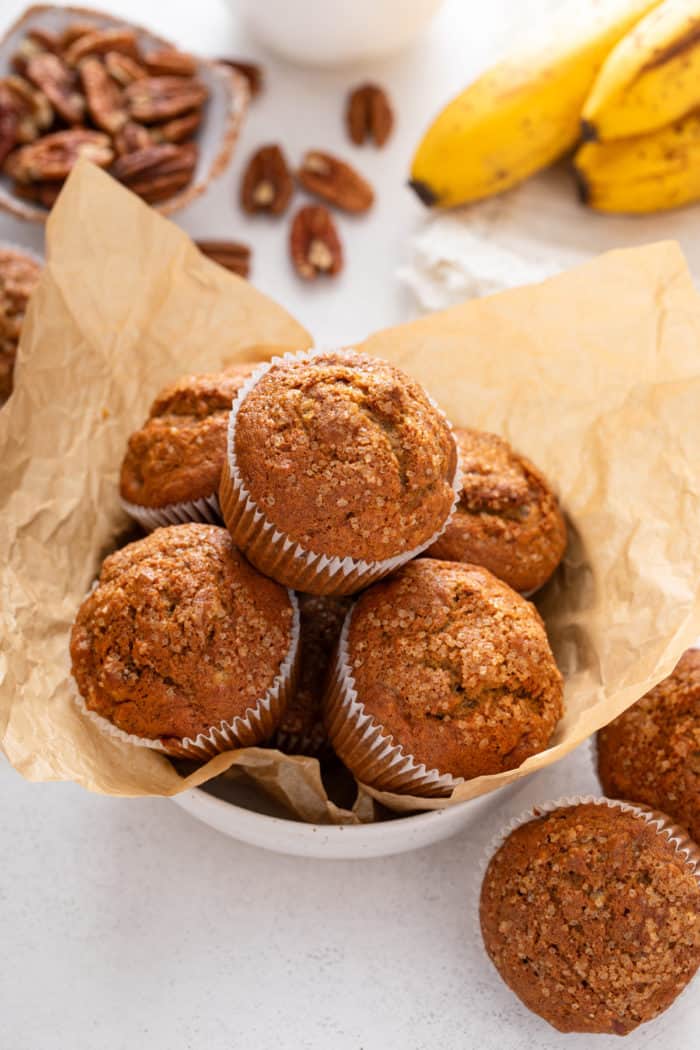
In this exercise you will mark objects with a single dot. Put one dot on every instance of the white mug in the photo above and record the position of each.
(336, 32)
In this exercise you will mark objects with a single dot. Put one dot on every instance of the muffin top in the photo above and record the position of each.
(180, 634)
(507, 519)
(346, 455)
(592, 917)
(651, 753)
(19, 275)
(456, 667)
(321, 622)
(178, 453)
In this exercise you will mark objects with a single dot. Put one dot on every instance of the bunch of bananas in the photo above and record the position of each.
(626, 82)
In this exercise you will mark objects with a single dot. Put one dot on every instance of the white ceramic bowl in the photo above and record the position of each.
(333, 32)
(244, 814)
(226, 106)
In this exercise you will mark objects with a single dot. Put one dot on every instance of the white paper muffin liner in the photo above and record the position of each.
(272, 551)
(677, 836)
(362, 744)
(255, 726)
(205, 510)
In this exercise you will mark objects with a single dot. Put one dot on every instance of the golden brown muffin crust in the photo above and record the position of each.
(178, 453)
(592, 918)
(456, 666)
(507, 519)
(346, 455)
(19, 275)
(322, 619)
(651, 753)
(180, 634)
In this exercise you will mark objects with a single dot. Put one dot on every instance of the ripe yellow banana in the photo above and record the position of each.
(651, 78)
(651, 172)
(524, 113)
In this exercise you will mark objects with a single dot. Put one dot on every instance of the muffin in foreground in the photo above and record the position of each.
(591, 915)
(301, 730)
(339, 469)
(651, 753)
(443, 673)
(172, 467)
(19, 275)
(507, 519)
(183, 646)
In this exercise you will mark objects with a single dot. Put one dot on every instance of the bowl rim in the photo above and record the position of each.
(234, 84)
(305, 829)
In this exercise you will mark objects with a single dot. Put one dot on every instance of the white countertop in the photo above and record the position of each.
(125, 924)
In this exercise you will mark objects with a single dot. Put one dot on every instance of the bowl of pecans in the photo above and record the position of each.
(80, 83)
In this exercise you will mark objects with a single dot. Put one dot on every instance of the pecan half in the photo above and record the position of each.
(124, 69)
(131, 137)
(335, 181)
(179, 129)
(27, 49)
(44, 193)
(156, 99)
(8, 127)
(33, 109)
(267, 182)
(369, 114)
(51, 74)
(99, 42)
(252, 72)
(314, 243)
(168, 61)
(71, 33)
(232, 255)
(44, 39)
(104, 99)
(134, 164)
(160, 187)
(53, 156)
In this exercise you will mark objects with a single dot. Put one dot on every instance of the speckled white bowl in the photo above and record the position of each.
(245, 815)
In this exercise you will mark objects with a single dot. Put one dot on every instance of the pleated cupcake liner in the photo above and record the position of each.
(255, 726)
(272, 551)
(205, 510)
(362, 743)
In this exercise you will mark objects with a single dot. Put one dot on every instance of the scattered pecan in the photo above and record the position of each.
(252, 73)
(100, 41)
(179, 129)
(124, 69)
(33, 109)
(369, 114)
(104, 99)
(168, 61)
(52, 76)
(232, 255)
(53, 156)
(267, 182)
(314, 243)
(131, 137)
(335, 181)
(161, 98)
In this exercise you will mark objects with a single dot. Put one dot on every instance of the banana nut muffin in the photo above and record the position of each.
(179, 635)
(346, 456)
(651, 753)
(301, 730)
(592, 917)
(456, 668)
(178, 453)
(19, 275)
(508, 519)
